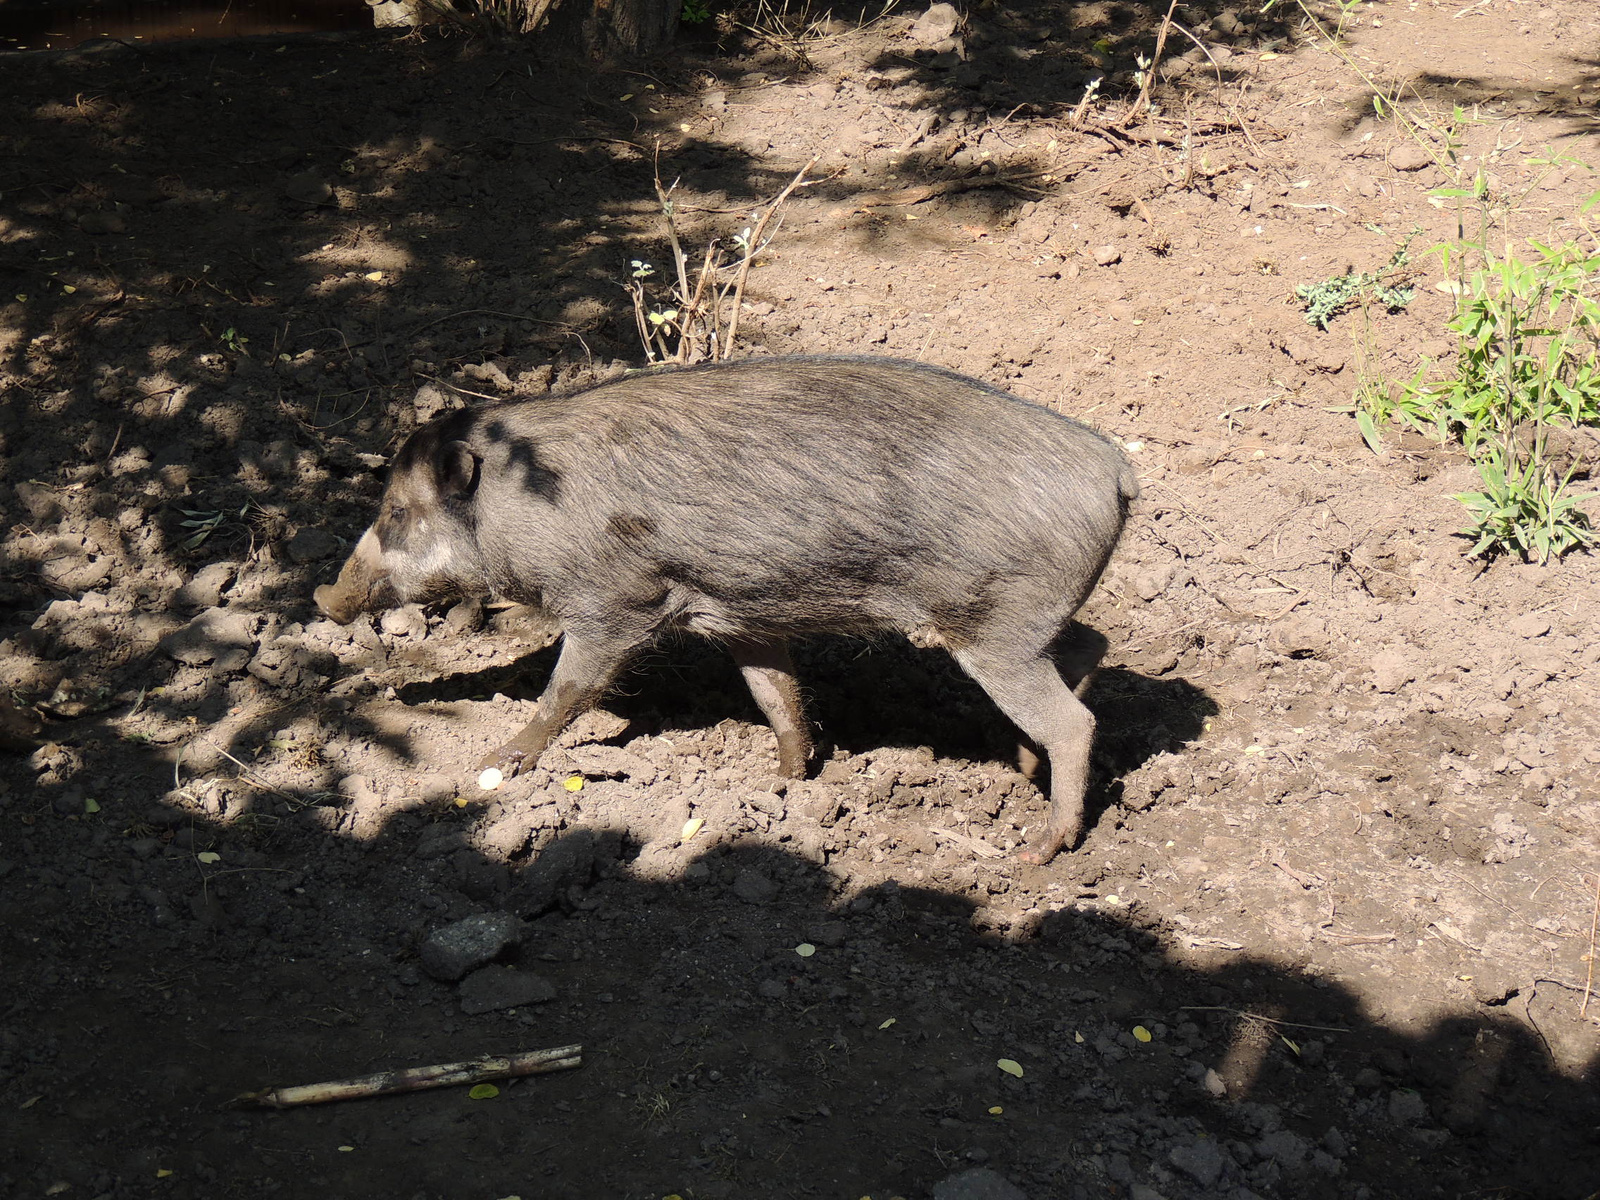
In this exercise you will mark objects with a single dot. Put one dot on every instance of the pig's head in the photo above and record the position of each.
(423, 546)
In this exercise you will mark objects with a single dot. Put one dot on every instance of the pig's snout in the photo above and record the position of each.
(335, 604)
(356, 590)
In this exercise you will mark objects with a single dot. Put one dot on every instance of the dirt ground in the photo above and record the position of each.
(1330, 931)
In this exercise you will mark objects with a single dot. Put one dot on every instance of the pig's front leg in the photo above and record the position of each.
(587, 665)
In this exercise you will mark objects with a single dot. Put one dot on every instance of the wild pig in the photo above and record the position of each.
(756, 501)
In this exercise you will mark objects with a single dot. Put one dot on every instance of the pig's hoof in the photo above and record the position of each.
(793, 768)
(1042, 852)
(508, 760)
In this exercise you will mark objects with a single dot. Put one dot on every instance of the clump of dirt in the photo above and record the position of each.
(1330, 932)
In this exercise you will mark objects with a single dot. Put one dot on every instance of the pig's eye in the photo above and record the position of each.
(397, 512)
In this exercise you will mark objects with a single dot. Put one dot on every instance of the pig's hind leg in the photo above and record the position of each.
(588, 664)
(769, 673)
(1029, 689)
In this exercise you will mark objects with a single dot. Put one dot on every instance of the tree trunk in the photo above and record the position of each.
(615, 28)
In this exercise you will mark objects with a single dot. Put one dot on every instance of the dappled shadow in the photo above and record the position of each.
(864, 696)
(1573, 102)
(720, 1056)
(216, 316)
(229, 283)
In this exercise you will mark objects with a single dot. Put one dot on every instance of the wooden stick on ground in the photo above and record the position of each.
(416, 1079)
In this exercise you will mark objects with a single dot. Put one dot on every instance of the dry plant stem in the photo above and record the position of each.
(1215, 65)
(1594, 924)
(244, 774)
(754, 243)
(1250, 1016)
(417, 1079)
(680, 262)
(1143, 102)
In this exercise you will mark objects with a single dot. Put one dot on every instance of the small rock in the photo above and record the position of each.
(612, 762)
(1287, 1149)
(357, 789)
(1391, 671)
(504, 839)
(310, 544)
(42, 503)
(218, 636)
(534, 627)
(772, 989)
(934, 26)
(19, 728)
(1107, 255)
(438, 841)
(830, 933)
(565, 863)
(1530, 625)
(979, 1183)
(836, 771)
(1301, 637)
(1314, 355)
(102, 222)
(68, 803)
(434, 788)
(1141, 1191)
(1202, 1161)
(205, 588)
(281, 663)
(491, 373)
(405, 621)
(450, 952)
(308, 187)
(1325, 1163)
(465, 616)
(431, 400)
(1409, 157)
(1213, 1084)
(753, 887)
(495, 987)
(1407, 1107)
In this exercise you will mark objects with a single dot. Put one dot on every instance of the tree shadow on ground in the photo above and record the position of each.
(217, 316)
(719, 1061)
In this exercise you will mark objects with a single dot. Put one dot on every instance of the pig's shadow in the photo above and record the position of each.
(866, 695)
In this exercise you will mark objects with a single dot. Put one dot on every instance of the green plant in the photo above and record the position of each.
(695, 12)
(1528, 358)
(1389, 285)
(1528, 332)
(1524, 508)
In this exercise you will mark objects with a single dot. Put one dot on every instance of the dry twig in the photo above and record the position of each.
(1143, 102)
(1594, 924)
(416, 1079)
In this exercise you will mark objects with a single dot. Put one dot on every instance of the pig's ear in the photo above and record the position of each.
(456, 471)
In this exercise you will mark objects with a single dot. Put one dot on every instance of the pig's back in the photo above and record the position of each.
(796, 493)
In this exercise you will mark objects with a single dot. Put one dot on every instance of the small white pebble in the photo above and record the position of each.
(491, 779)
